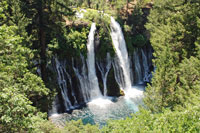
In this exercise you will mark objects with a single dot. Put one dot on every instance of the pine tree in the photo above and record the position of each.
(46, 17)
(21, 90)
(174, 27)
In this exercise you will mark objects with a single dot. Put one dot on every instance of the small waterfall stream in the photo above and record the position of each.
(138, 71)
(104, 68)
(83, 79)
(146, 67)
(61, 79)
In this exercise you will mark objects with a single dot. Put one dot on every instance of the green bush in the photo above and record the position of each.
(48, 127)
(79, 127)
(78, 40)
(139, 40)
(96, 16)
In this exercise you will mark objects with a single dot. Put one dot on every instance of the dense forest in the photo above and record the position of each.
(33, 32)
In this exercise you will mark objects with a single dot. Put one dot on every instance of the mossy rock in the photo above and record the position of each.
(122, 92)
(113, 88)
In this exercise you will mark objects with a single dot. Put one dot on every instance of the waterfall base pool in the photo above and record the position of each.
(99, 110)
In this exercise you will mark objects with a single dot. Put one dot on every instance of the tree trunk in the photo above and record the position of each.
(42, 42)
(89, 3)
(127, 8)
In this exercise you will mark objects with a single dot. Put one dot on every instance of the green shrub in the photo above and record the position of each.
(139, 40)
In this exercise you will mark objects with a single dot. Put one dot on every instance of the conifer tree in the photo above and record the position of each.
(174, 27)
(46, 18)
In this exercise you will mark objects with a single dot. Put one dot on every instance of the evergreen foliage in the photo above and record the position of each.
(174, 37)
(20, 88)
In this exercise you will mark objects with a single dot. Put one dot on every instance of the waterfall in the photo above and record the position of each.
(79, 83)
(145, 66)
(93, 81)
(83, 79)
(138, 71)
(131, 70)
(118, 73)
(88, 82)
(122, 54)
(104, 68)
(61, 79)
(54, 110)
(73, 93)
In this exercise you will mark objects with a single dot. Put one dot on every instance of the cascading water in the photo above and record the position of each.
(131, 70)
(93, 81)
(96, 96)
(146, 67)
(61, 79)
(88, 82)
(83, 84)
(121, 63)
(137, 66)
(54, 109)
(121, 51)
(104, 68)
(83, 80)
(118, 73)
(72, 92)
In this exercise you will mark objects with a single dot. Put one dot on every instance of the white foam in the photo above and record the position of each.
(101, 102)
(134, 92)
(54, 115)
